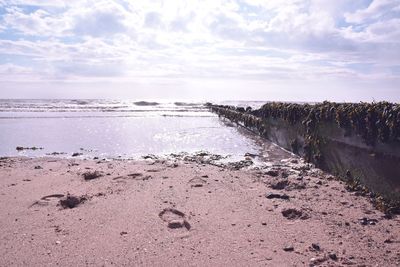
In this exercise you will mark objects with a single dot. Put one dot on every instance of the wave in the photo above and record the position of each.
(100, 110)
(107, 116)
(182, 104)
(145, 103)
(80, 102)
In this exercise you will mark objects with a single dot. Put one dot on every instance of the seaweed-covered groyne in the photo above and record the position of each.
(358, 142)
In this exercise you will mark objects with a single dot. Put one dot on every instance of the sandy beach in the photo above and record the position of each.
(200, 133)
(186, 212)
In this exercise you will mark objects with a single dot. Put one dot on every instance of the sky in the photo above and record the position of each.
(293, 50)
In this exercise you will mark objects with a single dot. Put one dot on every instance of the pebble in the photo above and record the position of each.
(280, 196)
(315, 261)
(272, 173)
(316, 246)
(288, 248)
(333, 256)
(366, 221)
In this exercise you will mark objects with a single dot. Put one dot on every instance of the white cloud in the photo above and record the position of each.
(376, 10)
(39, 23)
(209, 39)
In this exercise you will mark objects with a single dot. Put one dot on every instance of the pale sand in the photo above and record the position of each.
(228, 219)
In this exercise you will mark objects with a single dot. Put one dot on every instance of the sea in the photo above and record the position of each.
(123, 129)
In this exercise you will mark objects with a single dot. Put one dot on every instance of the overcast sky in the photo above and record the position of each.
(301, 50)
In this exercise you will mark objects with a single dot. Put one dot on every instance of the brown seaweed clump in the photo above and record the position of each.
(70, 201)
(374, 123)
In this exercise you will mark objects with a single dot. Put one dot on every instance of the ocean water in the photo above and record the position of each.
(122, 128)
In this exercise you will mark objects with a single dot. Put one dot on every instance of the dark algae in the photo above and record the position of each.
(359, 142)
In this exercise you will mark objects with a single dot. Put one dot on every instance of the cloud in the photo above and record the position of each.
(37, 23)
(100, 18)
(378, 9)
(180, 40)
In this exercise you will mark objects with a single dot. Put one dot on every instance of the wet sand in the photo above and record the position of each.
(186, 213)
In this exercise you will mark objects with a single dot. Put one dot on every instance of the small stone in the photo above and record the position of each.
(91, 175)
(123, 233)
(316, 261)
(288, 248)
(333, 256)
(71, 201)
(280, 196)
(366, 221)
(272, 173)
(58, 242)
(316, 246)
(293, 214)
(279, 185)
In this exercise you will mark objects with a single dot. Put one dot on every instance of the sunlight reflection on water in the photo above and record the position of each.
(110, 134)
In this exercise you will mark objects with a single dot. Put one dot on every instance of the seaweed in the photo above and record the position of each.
(374, 123)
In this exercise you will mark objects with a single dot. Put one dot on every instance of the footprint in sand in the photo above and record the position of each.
(46, 200)
(133, 176)
(175, 219)
(197, 182)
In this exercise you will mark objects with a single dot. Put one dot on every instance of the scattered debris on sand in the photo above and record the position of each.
(293, 214)
(187, 212)
(70, 201)
(279, 196)
(90, 175)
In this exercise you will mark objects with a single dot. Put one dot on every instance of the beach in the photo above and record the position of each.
(200, 133)
(134, 183)
(186, 210)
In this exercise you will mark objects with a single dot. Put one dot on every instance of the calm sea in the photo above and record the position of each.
(121, 128)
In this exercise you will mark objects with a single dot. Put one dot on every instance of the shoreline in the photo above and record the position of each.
(357, 142)
(186, 212)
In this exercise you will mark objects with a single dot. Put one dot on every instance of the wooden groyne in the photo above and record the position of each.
(357, 142)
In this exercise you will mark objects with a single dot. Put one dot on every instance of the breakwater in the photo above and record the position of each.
(358, 142)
